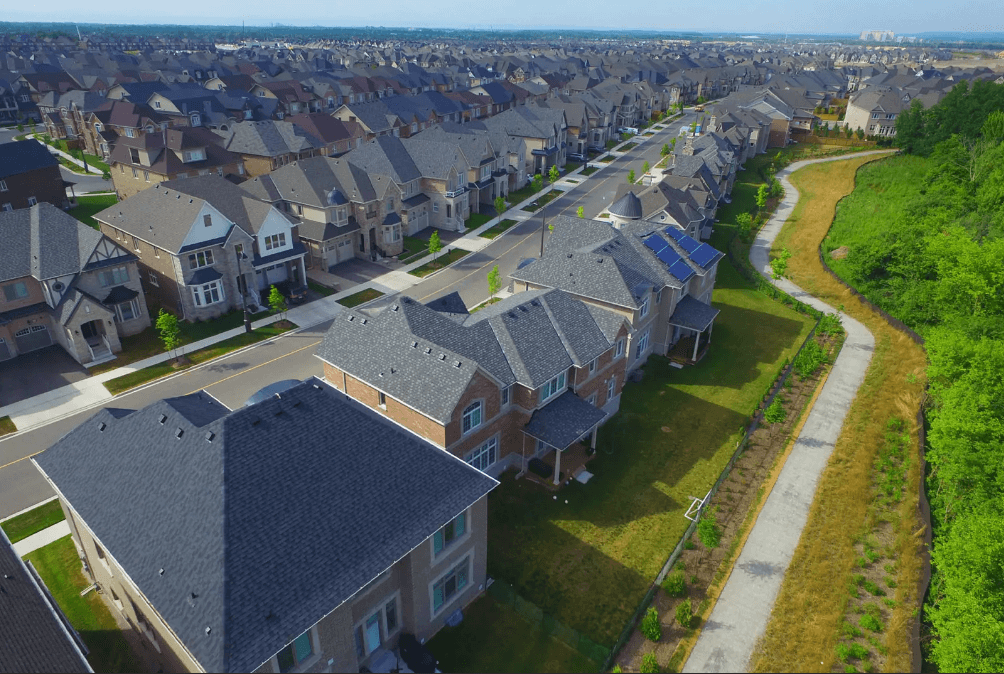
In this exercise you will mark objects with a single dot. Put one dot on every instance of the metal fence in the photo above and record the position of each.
(504, 593)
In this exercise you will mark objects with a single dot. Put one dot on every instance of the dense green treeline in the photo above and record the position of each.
(924, 238)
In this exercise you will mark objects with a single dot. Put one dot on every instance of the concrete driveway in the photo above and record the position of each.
(38, 372)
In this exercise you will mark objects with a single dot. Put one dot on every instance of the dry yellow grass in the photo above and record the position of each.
(805, 623)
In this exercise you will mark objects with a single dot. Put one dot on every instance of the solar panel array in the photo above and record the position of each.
(700, 254)
(676, 265)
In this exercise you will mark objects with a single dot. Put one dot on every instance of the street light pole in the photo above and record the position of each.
(543, 220)
(243, 291)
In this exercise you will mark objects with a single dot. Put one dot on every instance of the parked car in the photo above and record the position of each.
(575, 156)
(628, 129)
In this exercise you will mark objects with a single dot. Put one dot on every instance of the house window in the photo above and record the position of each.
(111, 277)
(642, 345)
(658, 298)
(592, 366)
(146, 176)
(130, 133)
(485, 455)
(207, 294)
(207, 220)
(643, 310)
(296, 652)
(472, 417)
(611, 388)
(3, 185)
(126, 311)
(135, 173)
(8, 207)
(382, 399)
(435, 206)
(450, 585)
(203, 258)
(552, 387)
(275, 241)
(505, 395)
(15, 291)
(449, 534)
(154, 281)
(620, 348)
(369, 636)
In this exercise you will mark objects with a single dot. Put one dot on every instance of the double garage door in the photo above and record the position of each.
(31, 338)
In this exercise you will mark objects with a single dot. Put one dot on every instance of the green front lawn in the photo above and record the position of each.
(522, 194)
(589, 170)
(360, 297)
(24, 525)
(611, 144)
(96, 162)
(87, 206)
(59, 566)
(627, 146)
(442, 260)
(476, 644)
(7, 426)
(414, 248)
(147, 374)
(571, 166)
(492, 232)
(543, 201)
(589, 561)
(323, 291)
(477, 219)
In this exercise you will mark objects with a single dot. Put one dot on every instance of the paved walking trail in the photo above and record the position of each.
(741, 613)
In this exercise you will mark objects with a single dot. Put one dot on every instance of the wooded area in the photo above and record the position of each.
(922, 236)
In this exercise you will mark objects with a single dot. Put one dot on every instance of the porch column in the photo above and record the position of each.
(710, 328)
(303, 272)
(557, 465)
(697, 341)
(592, 440)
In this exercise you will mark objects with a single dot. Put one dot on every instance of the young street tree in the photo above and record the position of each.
(761, 197)
(276, 301)
(580, 211)
(537, 182)
(665, 149)
(553, 174)
(494, 281)
(435, 245)
(630, 176)
(169, 331)
(499, 205)
(645, 167)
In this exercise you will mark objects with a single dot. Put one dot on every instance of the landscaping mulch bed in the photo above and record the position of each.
(739, 495)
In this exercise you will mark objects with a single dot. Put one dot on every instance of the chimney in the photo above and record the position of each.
(688, 146)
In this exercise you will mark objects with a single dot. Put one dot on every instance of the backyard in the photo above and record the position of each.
(87, 206)
(59, 566)
(588, 557)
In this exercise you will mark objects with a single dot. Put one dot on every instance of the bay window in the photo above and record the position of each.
(209, 293)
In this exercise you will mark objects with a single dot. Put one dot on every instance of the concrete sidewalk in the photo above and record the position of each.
(42, 538)
(743, 609)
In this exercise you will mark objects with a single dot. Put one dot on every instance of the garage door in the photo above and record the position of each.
(31, 338)
(4, 349)
(344, 249)
(275, 274)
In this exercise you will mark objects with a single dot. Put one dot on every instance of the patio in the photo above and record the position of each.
(683, 351)
(573, 462)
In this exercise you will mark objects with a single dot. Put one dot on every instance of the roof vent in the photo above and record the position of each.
(178, 433)
(600, 261)
(209, 436)
(569, 256)
(428, 350)
(456, 363)
(208, 630)
(256, 422)
(279, 412)
(162, 419)
(381, 374)
(101, 426)
(317, 386)
(442, 356)
(160, 572)
(394, 308)
(351, 317)
(364, 321)
(414, 344)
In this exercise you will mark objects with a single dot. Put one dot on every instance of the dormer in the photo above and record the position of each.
(193, 154)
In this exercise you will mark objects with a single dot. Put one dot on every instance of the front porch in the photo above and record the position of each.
(569, 463)
(691, 323)
(556, 429)
(689, 350)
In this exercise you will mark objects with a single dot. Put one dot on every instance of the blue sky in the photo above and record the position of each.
(746, 16)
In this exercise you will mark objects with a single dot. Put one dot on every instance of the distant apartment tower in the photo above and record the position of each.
(878, 35)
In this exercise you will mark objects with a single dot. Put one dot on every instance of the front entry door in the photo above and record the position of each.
(89, 330)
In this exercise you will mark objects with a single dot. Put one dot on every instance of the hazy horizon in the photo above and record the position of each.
(769, 17)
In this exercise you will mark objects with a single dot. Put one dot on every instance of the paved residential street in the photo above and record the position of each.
(233, 378)
(741, 613)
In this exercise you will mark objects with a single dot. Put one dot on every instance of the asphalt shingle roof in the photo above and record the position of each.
(257, 538)
(22, 156)
(44, 242)
(563, 420)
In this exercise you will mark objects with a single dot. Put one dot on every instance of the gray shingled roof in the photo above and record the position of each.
(628, 206)
(563, 420)
(35, 636)
(270, 138)
(225, 508)
(44, 242)
(23, 156)
(693, 314)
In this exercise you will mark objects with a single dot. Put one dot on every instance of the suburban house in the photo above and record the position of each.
(528, 377)
(66, 283)
(229, 548)
(147, 159)
(102, 127)
(37, 636)
(653, 275)
(338, 137)
(267, 145)
(29, 174)
(203, 242)
(783, 117)
(874, 110)
(544, 130)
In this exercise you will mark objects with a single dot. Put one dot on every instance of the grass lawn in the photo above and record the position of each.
(7, 426)
(477, 219)
(66, 163)
(88, 206)
(442, 260)
(414, 248)
(589, 170)
(588, 563)
(571, 166)
(96, 162)
(134, 379)
(611, 144)
(323, 291)
(24, 525)
(543, 201)
(492, 232)
(606, 160)
(809, 611)
(360, 297)
(474, 644)
(522, 194)
(627, 146)
(59, 566)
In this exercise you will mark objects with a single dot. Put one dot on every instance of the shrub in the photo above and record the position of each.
(675, 585)
(616, 670)
(843, 652)
(829, 324)
(744, 224)
(779, 265)
(858, 651)
(689, 544)
(874, 589)
(775, 414)
(685, 614)
(849, 630)
(870, 622)
(708, 532)
(649, 665)
(809, 359)
(650, 625)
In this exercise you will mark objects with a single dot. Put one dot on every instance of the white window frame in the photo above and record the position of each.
(133, 305)
(550, 389)
(32, 201)
(154, 281)
(484, 455)
(658, 297)
(204, 292)
(642, 344)
(620, 348)
(451, 529)
(643, 309)
(118, 276)
(592, 366)
(506, 395)
(380, 612)
(473, 417)
(275, 241)
(3, 185)
(194, 261)
(611, 388)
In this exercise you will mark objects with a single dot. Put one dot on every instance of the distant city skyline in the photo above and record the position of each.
(903, 17)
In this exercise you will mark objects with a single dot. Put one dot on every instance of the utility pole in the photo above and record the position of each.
(543, 220)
